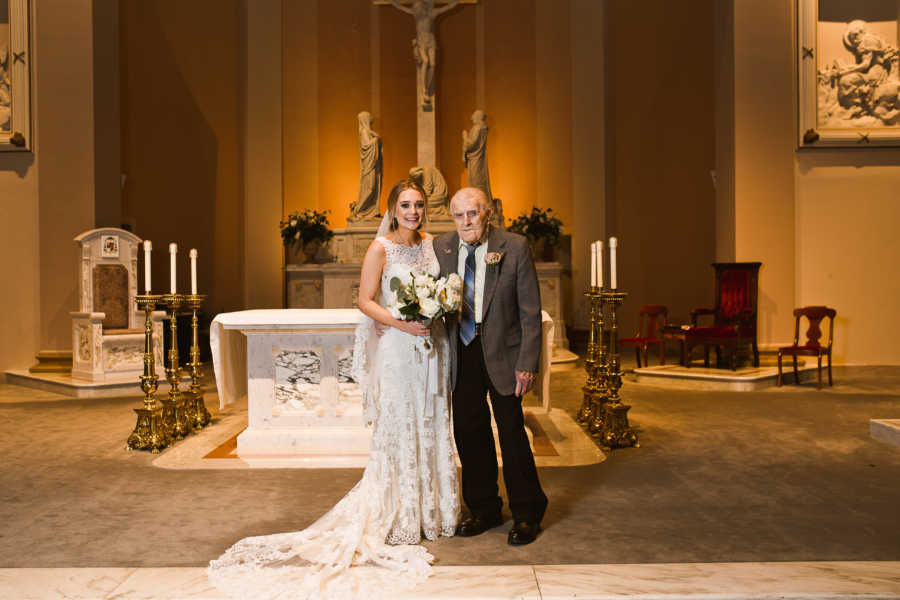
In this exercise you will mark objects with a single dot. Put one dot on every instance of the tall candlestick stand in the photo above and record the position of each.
(595, 423)
(174, 413)
(592, 363)
(150, 432)
(615, 430)
(199, 415)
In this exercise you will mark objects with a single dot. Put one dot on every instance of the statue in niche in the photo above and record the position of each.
(865, 92)
(424, 45)
(475, 154)
(436, 194)
(5, 93)
(366, 206)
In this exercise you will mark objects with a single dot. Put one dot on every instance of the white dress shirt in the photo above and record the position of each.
(480, 269)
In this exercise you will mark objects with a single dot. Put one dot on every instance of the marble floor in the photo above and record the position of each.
(695, 581)
(558, 442)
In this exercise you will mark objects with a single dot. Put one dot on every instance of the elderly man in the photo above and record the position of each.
(494, 346)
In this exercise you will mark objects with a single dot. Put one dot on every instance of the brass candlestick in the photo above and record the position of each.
(594, 358)
(614, 429)
(150, 432)
(174, 413)
(200, 417)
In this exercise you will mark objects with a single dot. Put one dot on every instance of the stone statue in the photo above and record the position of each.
(866, 91)
(424, 46)
(475, 154)
(366, 206)
(436, 194)
(5, 94)
(497, 218)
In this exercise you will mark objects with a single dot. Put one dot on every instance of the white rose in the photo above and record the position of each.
(429, 307)
(454, 282)
(423, 294)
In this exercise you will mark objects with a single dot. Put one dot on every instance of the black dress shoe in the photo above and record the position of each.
(523, 533)
(477, 525)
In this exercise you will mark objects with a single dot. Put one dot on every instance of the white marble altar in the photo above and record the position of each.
(293, 366)
(302, 400)
(885, 430)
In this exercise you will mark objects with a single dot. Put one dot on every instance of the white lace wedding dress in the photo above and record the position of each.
(366, 546)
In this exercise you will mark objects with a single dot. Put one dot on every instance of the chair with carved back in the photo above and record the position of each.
(734, 315)
(811, 346)
(108, 330)
(651, 319)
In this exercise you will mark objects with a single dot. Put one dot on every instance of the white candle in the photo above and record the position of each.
(147, 248)
(593, 264)
(173, 250)
(613, 243)
(600, 264)
(194, 271)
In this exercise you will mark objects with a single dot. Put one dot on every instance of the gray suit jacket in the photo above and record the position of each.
(511, 308)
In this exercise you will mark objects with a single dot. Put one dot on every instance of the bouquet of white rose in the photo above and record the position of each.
(425, 298)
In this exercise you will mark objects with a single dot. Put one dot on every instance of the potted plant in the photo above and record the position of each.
(542, 229)
(306, 231)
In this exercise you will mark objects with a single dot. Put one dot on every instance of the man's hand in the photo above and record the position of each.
(524, 382)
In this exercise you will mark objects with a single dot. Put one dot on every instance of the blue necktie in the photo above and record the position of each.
(467, 318)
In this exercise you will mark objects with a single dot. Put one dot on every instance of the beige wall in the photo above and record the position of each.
(65, 143)
(587, 26)
(262, 193)
(182, 125)
(107, 116)
(47, 196)
(19, 306)
(527, 96)
(821, 220)
(764, 152)
(661, 147)
(847, 247)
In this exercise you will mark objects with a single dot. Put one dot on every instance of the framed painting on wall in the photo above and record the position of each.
(15, 76)
(847, 64)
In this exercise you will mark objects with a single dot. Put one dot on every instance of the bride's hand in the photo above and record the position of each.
(415, 328)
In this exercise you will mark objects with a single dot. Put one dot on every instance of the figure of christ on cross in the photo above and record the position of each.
(424, 45)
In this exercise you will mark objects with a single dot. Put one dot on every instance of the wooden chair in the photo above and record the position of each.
(737, 294)
(649, 314)
(812, 347)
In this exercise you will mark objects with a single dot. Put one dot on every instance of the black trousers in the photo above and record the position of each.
(475, 443)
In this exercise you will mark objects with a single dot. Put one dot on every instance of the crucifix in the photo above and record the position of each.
(425, 55)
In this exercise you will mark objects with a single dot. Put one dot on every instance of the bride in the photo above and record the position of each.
(367, 545)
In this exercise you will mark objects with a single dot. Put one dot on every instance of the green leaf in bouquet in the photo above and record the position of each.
(410, 310)
(396, 284)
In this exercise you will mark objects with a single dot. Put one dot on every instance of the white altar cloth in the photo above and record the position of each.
(229, 346)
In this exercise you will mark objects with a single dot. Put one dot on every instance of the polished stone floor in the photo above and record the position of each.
(723, 481)
(736, 581)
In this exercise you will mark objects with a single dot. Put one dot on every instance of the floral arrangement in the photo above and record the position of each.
(304, 227)
(540, 224)
(425, 298)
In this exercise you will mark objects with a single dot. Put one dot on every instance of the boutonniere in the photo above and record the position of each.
(493, 258)
(447, 250)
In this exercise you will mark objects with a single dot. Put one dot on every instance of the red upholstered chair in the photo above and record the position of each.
(734, 315)
(812, 346)
(649, 314)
